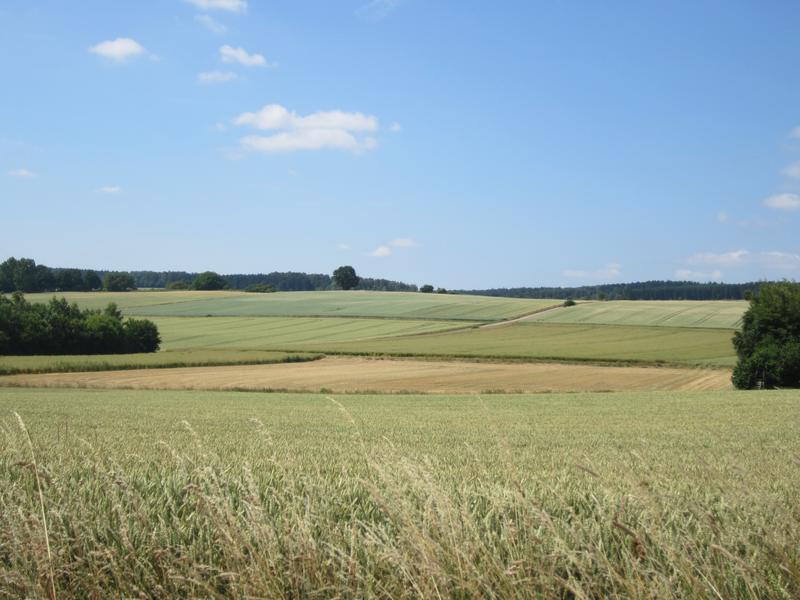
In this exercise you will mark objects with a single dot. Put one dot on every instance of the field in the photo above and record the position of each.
(663, 313)
(528, 340)
(346, 374)
(204, 494)
(397, 305)
(158, 360)
(429, 325)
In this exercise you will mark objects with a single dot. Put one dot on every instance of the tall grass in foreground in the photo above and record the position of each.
(336, 498)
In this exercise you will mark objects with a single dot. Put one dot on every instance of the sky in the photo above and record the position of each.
(459, 143)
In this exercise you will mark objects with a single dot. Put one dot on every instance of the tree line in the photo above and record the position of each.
(25, 275)
(58, 327)
(644, 290)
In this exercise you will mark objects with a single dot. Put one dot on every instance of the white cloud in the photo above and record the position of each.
(343, 246)
(118, 50)
(395, 127)
(229, 54)
(722, 216)
(381, 251)
(110, 189)
(375, 10)
(22, 173)
(275, 116)
(215, 77)
(772, 260)
(307, 139)
(320, 130)
(734, 257)
(237, 6)
(787, 202)
(795, 133)
(609, 271)
(687, 274)
(388, 249)
(792, 170)
(211, 24)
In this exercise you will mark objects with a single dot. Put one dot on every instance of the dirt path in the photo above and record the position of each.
(390, 376)
(524, 317)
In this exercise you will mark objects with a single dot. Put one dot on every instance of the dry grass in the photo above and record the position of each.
(392, 376)
(609, 496)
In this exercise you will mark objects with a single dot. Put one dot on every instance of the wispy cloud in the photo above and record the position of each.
(118, 50)
(237, 6)
(609, 271)
(215, 77)
(211, 24)
(795, 133)
(770, 260)
(723, 217)
(381, 251)
(395, 127)
(792, 170)
(229, 54)
(375, 10)
(388, 249)
(22, 173)
(689, 275)
(110, 189)
(320, 130)
(785, 202)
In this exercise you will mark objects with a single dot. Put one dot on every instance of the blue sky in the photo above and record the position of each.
(463, 144)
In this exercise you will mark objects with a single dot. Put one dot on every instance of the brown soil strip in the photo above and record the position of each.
(393, 376)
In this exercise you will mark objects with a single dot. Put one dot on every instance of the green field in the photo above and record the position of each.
(202, 357)
(187, 494)
(399, 305)
(665, 313)
(556, 341)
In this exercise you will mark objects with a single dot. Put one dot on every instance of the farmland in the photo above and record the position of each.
(348, 374)
(235, 494)
(663, 313)
(398, 305)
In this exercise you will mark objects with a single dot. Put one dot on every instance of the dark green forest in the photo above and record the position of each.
(644, 290)
(26, 276)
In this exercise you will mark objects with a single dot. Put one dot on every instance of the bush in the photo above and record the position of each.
(426, 289)
(260, 288)
(179, 285)
(569, 302)
(768, 345)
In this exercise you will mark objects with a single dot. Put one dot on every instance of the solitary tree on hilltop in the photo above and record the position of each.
(345, 277)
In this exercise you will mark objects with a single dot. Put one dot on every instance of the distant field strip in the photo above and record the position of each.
(155, 360)
(344, 375)
(131, 300)
(275, 332)
(556, 341)
(349, 304)
(707, 314)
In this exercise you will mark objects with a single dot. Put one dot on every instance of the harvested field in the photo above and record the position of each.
(392, 376)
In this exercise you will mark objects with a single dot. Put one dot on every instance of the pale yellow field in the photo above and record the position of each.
(390, 376)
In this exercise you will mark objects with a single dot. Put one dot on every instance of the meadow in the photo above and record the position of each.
(209, 494)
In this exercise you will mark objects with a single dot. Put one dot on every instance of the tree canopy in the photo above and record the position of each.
(57, 327)
(118, 282)
(209, 280)
(345, 277)
(768, 345)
